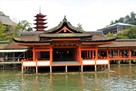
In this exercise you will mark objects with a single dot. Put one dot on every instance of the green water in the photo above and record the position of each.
(123, 79)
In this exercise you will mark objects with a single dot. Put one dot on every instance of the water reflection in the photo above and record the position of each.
(122, 79)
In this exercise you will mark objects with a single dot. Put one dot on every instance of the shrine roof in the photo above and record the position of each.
(65, 23)
(66, 35)
(13, 45)
(30, 39)
(3, 44)
(120, 43)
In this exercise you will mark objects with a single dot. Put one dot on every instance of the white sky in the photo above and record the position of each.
(92, 14)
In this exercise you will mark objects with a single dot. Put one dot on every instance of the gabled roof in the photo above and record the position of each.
(6, 20)
(65, 23)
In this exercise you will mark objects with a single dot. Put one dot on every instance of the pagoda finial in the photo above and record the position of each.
(39, 9)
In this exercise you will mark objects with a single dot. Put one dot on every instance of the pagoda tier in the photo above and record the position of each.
(40, 22)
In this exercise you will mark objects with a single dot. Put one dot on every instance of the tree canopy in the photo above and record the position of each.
(129, 33)
(24, 25)
(131, 19)
(6, 35)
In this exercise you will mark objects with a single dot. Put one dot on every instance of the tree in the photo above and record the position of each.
(109, 35)
(129, 33)
(23, 26)
(132, 33)
(123, 34)
(3, 29)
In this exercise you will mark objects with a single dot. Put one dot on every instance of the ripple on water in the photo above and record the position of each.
(121, 80)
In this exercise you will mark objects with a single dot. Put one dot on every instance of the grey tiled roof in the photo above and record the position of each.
(6, 20)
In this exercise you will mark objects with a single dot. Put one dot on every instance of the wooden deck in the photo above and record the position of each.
(10, 62)
(66, 63)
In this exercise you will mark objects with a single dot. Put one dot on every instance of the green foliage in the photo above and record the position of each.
(132, 33)
(23, 26)
(122, 34)
(129, 33)
(109, 35)
(5, 34)
(131, 19)
(3, 29)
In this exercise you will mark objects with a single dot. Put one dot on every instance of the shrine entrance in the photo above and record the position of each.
(64, 54)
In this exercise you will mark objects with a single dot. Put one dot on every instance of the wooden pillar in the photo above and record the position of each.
(22, 69)
(51, 55)
(119, 57)
(50, 69)
(36, 67)
(66, 69)
(82, 69)
(36, 70)
(118, 54)
(129, 53)
(51, 59)
(108, 60)
(34, 54)
(96, 54)
(80, 58)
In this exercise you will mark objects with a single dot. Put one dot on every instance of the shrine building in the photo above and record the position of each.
(69, 46)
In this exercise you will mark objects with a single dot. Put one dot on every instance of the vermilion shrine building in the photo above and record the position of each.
(66, 45)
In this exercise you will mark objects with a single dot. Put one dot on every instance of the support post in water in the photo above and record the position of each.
(66, 69)
(82, 68)
(50, 69)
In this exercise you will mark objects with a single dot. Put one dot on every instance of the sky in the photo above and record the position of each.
(92, 14)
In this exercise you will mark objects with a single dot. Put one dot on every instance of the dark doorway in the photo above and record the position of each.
(64, 54)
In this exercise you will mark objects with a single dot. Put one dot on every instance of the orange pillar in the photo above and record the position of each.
(96, 54)
(51, 59)
(118, 56)
(34, 54)
(80, 58)
(129, 53)
(108, 60)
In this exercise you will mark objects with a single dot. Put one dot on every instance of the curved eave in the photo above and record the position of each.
(22, 41)
(61, 35)
(106, 40)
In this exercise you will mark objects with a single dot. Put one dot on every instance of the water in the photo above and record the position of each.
(123, 79)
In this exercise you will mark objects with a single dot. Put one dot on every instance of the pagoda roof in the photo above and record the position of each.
(40, 15)
(64, 22)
